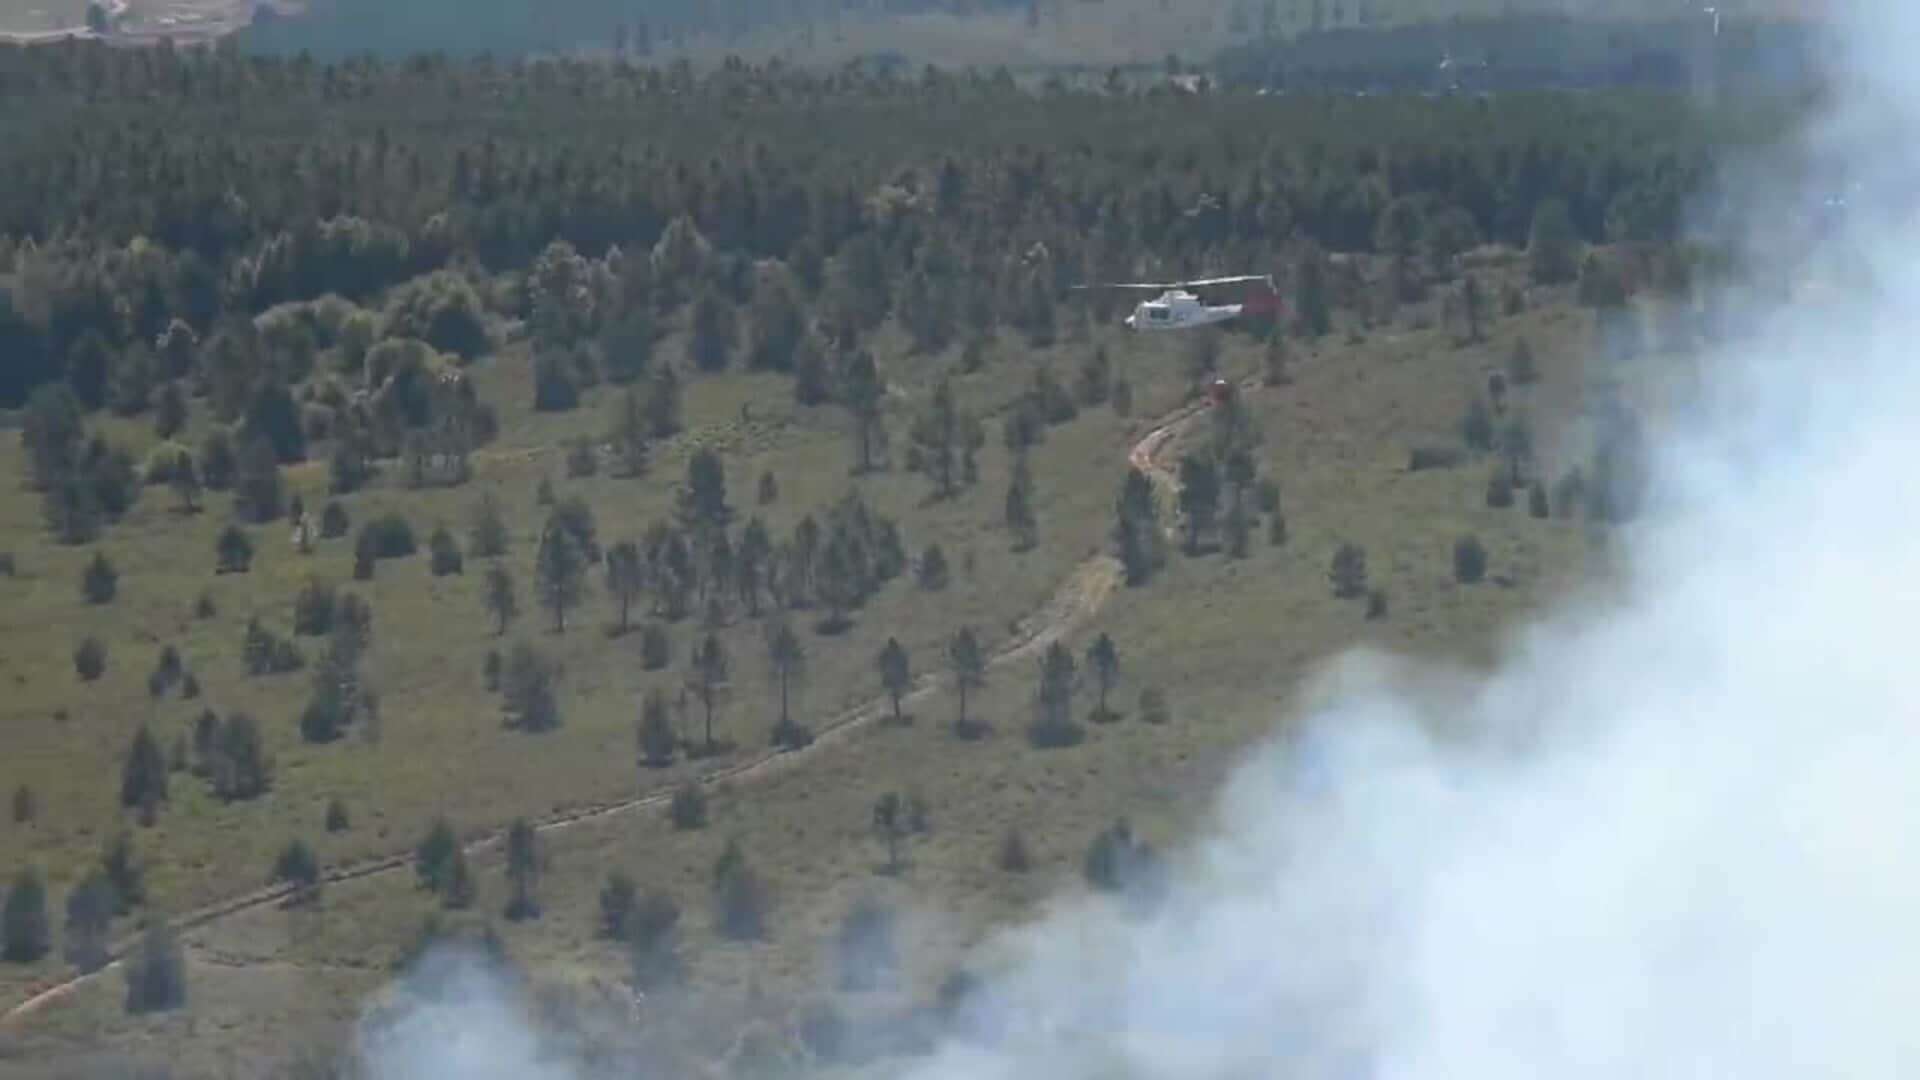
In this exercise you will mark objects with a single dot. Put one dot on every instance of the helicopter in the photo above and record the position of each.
(1178, 308)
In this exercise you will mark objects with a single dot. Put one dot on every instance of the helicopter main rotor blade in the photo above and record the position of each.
(1228, 280)
(1125, 285)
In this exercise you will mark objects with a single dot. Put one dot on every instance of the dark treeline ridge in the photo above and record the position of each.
(337, 27)
(154, 187)
(1535, 52)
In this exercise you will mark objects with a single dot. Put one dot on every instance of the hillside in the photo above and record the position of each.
(716, 374)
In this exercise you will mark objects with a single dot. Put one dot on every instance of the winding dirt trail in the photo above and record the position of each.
(1072, 605)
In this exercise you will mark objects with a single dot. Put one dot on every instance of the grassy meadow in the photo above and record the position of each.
(1227, 640)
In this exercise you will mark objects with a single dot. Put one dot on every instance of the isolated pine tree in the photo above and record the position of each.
(1349, 571)
(143, 777)
(969, 666)
(89, 922)
(1103, 659)
(523, 872)
(157, 972)
(26, 932)
(298, 868)
(100, 581)
(656, 735)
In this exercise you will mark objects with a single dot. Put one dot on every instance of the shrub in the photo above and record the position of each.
(334, 522)
(233, 552)
(1421, 458)
(90, 658)
(389, 537)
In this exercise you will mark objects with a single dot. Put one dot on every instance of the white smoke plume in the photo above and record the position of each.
(457, 1017)
(1674, 833)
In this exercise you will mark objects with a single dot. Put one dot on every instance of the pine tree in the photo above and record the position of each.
(969, 666)
(433, 858)
(527, 690)
(26, 933)
(787, 660)
(702, 503)
(657, 740)
(709, 675)
(933, 569)
(233, 551)
(740, 899)
(523, 872)
(629, 435)
(1054, 726)
(890, 823)
(487, 535)
(711, 333)
(299, 869)
(126, 877)
(941, 435)
(895, 675)
(184, 478)
(776, 325)
(1349, 571)
(100, 581)
(258, 494)
(1019, 509)
(157, 972)
(663, 403)
(143, 778)
(1199, 497)
(498, 595)
(560, 571)
(1138, 539)
(1103, 659)
(89, 921)
(90, 658)
(462, 890)
(863, 391)
(445, 558)
(619, 900)
(241, 767)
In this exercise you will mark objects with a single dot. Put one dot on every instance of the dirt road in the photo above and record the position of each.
(1072, 605)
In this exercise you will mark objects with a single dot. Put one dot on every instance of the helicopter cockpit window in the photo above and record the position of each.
(1156, 314)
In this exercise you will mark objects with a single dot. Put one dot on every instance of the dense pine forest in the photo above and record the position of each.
(149, 187)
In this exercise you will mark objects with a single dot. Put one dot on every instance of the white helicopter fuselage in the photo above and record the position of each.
(1178, 309)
